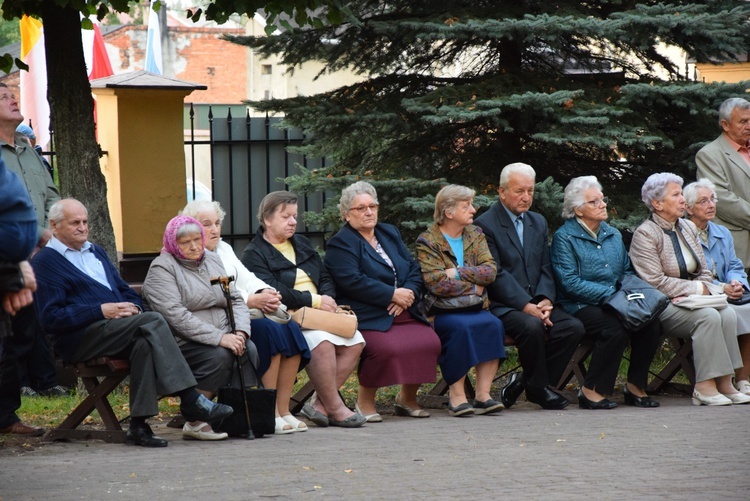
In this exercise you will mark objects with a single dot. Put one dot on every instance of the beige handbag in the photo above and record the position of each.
(342, 323)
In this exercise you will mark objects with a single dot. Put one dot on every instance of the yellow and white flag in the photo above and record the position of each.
(34, 104)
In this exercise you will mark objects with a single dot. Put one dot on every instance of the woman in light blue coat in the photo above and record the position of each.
(726, 267)
(589, 259)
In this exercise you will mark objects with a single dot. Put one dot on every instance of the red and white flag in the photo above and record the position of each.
(34, 105)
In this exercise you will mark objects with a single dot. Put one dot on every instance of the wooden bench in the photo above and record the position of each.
(576, 367)
(101, 377)
(682, 359)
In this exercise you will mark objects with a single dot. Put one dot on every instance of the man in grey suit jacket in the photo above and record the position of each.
(523, 294)
(726, 162)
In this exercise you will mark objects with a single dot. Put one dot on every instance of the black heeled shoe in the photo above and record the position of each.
(636, 401)
(585, 403)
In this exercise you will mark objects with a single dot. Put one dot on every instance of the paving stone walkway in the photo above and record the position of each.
(674, 452)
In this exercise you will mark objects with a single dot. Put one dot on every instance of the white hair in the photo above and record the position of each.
(690, 192)
(655, 187)
(574, 194)
(195, 207)
(728, 106)
(57, 211)
(519, 168)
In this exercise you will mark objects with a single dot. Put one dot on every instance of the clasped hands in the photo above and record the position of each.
(267, 300)
(542, 310)
(402, 299)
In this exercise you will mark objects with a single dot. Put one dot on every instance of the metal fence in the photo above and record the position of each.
(246, 158)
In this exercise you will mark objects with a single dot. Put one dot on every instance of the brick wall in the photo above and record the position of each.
(194, 54)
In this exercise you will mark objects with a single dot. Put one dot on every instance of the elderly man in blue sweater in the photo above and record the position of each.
(91, 312)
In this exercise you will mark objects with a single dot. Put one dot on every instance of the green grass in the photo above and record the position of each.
(49, 412)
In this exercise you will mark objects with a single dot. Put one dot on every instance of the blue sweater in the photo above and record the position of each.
(587, 269)
(68, 301)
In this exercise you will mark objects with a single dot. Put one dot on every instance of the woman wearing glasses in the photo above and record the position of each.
(666, 252)
(589, 259)
(727, 269)
(375, 274)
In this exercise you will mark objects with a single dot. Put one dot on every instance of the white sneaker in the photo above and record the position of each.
(700, 399)
(743, 386)
(738, 398)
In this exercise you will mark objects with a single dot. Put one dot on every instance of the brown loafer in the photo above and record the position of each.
(18, 428)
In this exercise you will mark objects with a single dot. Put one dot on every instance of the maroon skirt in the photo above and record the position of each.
(407, 353)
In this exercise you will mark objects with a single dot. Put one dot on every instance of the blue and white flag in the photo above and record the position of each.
(153, 43)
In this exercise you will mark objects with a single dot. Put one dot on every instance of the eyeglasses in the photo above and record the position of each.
(363, 208)
(704, 202)
(599, 202)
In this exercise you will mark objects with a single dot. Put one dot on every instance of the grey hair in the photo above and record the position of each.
(728, 106)
(448, 198)
(349, 193)
(574, 194)
(690, 192)
(57, 211)
(188, 229)
(516, 168)
(195, 207)
(655, 187)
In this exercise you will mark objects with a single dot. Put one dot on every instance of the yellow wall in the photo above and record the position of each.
(141, 130)
(727, 72)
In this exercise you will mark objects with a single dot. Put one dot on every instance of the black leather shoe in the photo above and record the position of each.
(205, 410)
(546, 398)
(585, 403)
(144, 437)
(511, 391)
(635, 401)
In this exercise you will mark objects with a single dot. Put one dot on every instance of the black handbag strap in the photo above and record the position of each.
(235, 368)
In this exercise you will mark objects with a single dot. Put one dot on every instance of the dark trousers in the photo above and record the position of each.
(544, 353)
(35, 363)
(611, 340)
(157, 367)
(10, 389)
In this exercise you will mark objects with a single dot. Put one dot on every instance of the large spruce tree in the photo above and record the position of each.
(456, 89)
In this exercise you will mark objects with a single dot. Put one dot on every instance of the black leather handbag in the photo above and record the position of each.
(636, 303)
(260, 410)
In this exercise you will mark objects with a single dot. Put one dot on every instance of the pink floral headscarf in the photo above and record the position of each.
(170, 235)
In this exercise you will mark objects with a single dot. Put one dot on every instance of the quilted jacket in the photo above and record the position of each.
(587, 269)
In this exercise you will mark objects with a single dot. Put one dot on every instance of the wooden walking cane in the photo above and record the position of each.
(224, 285)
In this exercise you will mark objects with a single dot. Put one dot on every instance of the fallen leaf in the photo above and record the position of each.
(132, 475)
(601, 437)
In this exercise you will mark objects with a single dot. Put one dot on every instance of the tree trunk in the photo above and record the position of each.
(72, 116)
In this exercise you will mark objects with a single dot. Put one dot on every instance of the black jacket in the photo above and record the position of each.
(273, 268)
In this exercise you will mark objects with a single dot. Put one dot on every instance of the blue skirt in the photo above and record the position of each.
(468, 339)
(272, 338)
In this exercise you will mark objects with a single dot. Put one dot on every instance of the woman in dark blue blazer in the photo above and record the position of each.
(377, 276)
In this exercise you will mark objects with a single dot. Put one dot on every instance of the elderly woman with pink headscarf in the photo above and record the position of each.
(178, 286)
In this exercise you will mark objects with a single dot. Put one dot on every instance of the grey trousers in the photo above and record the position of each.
(714, 334)
(157, 368)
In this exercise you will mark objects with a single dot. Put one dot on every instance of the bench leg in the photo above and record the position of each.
(682, 359)
(576, 367)
(96, 399)
(297, 401)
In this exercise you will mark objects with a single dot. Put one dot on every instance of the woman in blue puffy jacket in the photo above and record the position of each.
(589, 259)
